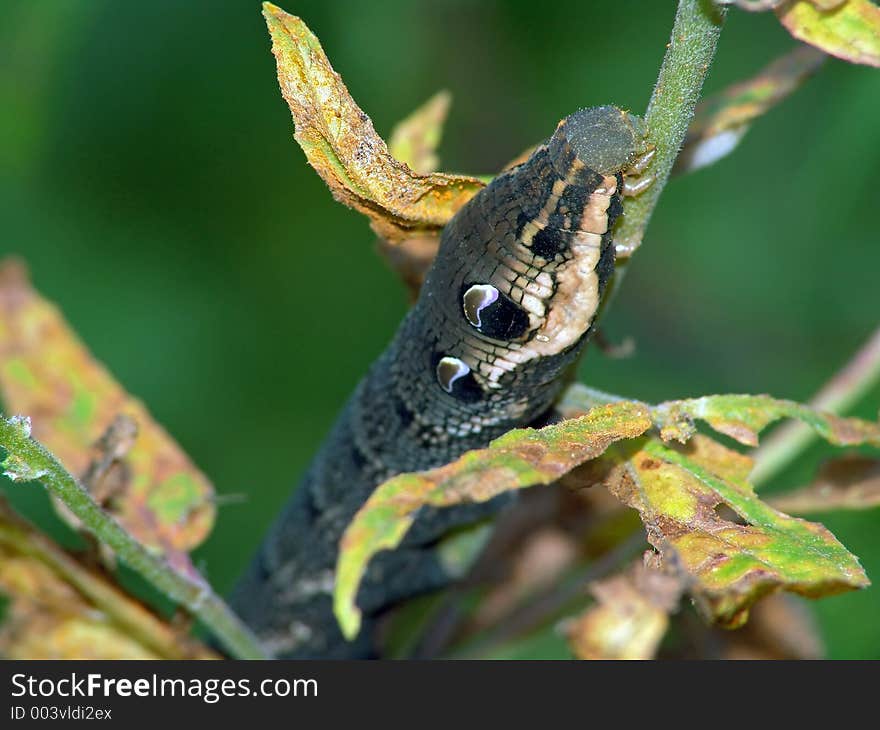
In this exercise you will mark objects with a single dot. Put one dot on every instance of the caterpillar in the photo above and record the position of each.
(505, 310)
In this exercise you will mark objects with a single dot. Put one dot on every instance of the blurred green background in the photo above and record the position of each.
(149, 178)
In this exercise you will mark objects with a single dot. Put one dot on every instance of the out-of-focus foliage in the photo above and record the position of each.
(849, 29)
(722, 120)
(142, 478)
(414, 140)
(60, 609)
(630, 617)
(851, 483)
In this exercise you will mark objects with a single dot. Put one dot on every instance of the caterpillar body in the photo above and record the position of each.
(504, 311)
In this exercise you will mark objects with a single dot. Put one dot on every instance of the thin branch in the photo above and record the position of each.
(28, 460)
(688, 56)
(838, 395)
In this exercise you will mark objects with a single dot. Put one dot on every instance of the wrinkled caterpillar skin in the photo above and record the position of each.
(504, 311)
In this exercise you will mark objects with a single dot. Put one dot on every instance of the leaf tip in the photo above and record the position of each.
(348, 615)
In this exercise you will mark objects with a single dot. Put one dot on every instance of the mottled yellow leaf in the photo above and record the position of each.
(524, 457)
(340, 142)
(153, 489)
(728, 561)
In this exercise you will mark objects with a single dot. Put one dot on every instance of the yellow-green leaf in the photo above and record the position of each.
(850, 31)
(742, 417)
(527, 456)
(520, 458)
(158, 495)
(728, 563)
(414, 140)
(340, 142)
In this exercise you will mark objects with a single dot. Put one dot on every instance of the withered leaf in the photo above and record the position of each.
(728, 563)
(158, 495)
(526, 456)
(340, 142)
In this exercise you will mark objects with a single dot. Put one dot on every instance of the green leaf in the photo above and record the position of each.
(524, 457)
(728, 563)
(850, 31)
(518, 459)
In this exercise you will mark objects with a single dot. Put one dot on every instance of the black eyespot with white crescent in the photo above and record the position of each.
(492, 313)
(456, 378)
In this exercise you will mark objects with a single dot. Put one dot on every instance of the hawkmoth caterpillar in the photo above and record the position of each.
(504, 312)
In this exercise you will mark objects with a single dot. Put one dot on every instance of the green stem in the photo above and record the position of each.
(838, 395)
(688, 56)
(28, 460)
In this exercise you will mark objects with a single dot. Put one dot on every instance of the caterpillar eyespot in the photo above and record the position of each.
(493, 314)
(455, 377)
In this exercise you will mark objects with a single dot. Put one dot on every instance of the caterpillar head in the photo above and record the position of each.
(604, 138)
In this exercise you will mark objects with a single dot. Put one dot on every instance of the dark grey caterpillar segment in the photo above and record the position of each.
(503, 313)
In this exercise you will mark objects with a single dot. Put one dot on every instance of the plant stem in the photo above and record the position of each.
(839, 394)
(28, 460)
(688, 56)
